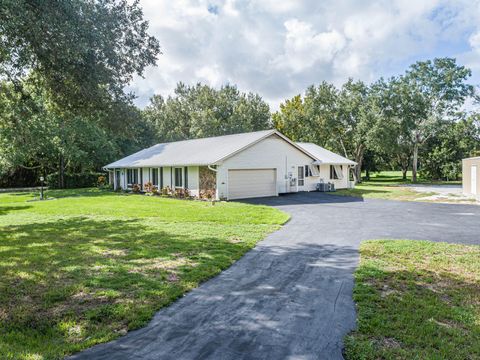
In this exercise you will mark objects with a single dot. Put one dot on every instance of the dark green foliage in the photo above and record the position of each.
(442, 154)
(84, 51)
(398, 123)
(202, 111)
(76, 180)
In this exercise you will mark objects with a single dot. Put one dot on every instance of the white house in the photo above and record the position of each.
(256, 164)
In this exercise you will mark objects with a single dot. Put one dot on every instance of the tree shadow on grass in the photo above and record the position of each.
(78, 281)
(4, 210)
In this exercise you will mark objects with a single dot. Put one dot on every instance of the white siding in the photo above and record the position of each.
(146, 176)
(270, 153)
(193, 181)
(325, 176)
(167, 180)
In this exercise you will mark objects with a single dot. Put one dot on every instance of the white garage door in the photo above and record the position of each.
(251, 183)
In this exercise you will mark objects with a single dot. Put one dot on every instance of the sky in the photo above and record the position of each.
(279, 48)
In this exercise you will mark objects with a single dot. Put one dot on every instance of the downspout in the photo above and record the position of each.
(210, 168)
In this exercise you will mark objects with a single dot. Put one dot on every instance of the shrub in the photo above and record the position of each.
(78, 180)
(166, 191)
(150, 189)
(136, 188)
(101, 181)
(181, 193)
(207, 194)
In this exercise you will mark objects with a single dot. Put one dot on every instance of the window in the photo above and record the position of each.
(186, 177)
(132, 176)
(336, 172)
(301, 178)
(307, 171)
(178, 177)
(333, 173)
(155, 177)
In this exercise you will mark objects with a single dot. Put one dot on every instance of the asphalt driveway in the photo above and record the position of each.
(291, 296)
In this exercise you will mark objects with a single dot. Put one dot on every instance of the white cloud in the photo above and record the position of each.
(278, 48)
(304, 47)
(474, 41)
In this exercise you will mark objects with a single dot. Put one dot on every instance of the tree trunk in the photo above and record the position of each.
(404, 173)
(359, 161)
(415, 162)
(367, 174)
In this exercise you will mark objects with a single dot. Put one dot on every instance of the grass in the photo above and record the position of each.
(90, 265)
(390, 185)
(416, 300)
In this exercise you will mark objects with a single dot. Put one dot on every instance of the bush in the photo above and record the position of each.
(79, 180)
(136, 188)
(166, 191)
(150, 189)
(101, 181)
(207, 194)
(181, 193)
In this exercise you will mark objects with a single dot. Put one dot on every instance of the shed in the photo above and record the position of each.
(471, 176)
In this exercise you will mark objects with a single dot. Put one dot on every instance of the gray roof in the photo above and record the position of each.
(325, 156)
(212, 150)
(206, 151)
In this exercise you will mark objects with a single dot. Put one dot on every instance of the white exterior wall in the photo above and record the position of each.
(325, 176)
(146, 176)
(193, 180)
(270, 153)
(167, 181)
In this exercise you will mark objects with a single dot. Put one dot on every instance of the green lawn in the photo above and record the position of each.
(416, 300)
(89, 265)
(389, 185)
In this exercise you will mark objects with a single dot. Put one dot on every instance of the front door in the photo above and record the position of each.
(473, 177)
(301, 178)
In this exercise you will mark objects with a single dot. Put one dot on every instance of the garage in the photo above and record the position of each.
(249, 183)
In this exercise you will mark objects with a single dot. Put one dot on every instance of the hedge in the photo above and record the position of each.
(75, 180)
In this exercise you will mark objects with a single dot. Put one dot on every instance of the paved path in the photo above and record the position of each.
(291, 296)
(439, 189)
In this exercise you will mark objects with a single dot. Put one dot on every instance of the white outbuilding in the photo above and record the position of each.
(255, 164)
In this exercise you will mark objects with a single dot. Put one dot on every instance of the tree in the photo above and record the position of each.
(356, 119)
(306, 119)
(428, 93)
(443, 153)
(390, 133)
(39, 138)
(341, 120)
(84, 52)
(201, 111)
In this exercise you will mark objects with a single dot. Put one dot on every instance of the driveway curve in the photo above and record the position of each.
(291, 296)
